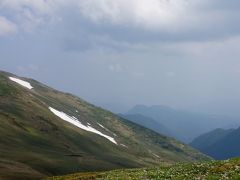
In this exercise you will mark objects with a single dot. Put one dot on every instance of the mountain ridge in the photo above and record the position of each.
(147, 122)
(184, 125)
(33, 136)
(219, 144)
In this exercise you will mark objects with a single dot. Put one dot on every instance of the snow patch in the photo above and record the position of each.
(21, 82)
(124, 145)
(106, 129)
(155, 155)
(73, 120)
(101, 126)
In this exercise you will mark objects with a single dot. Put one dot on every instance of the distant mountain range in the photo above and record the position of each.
(48, 132)
(219, 143)
(148, 123)
(182, 125)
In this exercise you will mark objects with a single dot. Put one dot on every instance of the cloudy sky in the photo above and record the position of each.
(118, 53)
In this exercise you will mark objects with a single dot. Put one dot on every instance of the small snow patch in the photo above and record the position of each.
(155, 155)
(21, 82)
(124, 145)
(101, 126)
(73, 120)
(106, 129)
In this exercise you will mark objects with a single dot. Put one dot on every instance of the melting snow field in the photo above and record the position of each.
(21, 82)
(73, 120)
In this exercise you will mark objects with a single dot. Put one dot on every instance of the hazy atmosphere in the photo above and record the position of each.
(119, 89)
(178, 53)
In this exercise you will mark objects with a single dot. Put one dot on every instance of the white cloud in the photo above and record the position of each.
(144, 14)
(29, 14)
(149, 14)
(6, 26)
(127, 20)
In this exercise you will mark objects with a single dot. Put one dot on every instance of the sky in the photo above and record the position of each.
(116, 54)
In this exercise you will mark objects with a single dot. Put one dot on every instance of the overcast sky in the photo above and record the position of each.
(118, 53)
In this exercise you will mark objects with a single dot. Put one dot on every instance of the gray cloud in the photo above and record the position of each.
(132, 21)
(179, 53)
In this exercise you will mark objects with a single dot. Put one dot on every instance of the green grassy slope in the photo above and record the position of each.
(34, 137)
(214, 170)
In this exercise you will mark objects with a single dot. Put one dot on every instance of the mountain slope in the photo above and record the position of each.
(48, 132)
(208, 139)
(219, 144)
(184, 125)
(147, 122)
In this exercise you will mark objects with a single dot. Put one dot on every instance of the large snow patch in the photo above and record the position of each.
(73, 120)
(21, 82)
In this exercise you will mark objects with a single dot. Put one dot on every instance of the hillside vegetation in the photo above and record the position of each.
(37, 142)
(214, 170)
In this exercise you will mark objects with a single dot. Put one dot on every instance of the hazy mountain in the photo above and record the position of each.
(47, 132)
(219, 144)
(208, 139)
(116, 108)
(147, 122)
(184, 125)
